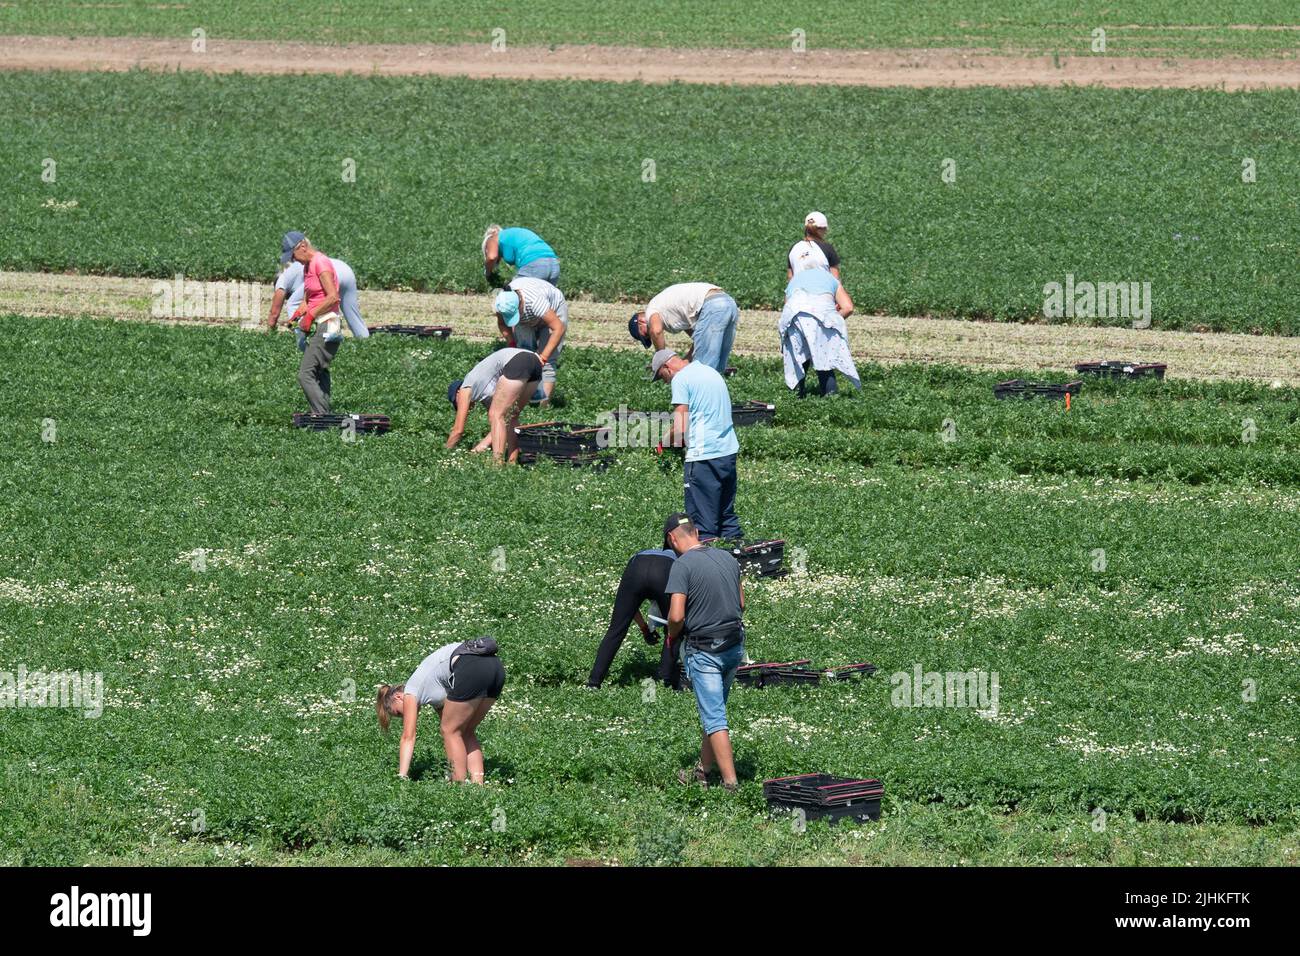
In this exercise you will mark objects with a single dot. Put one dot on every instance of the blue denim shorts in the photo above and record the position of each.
(711, 676)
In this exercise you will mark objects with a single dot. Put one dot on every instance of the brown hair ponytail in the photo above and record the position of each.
(382, 700)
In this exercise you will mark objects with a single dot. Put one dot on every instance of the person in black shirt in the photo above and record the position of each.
(644, 579)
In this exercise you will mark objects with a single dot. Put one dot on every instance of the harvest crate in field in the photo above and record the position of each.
(1019, 388)
(377, 424)
(421, 331)
(752, 413)
(1116, 368)
(822, 796)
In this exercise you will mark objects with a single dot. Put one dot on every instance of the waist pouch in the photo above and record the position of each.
(721, 637)
(480, 647)
(330, 325)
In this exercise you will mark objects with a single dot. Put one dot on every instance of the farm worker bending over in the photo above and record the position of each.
(702, 413)
(813, 333)
(705, 610)
(524, 249)
(644, 579)
(462, 682)
(502, 383)
(319, 308)
(289, 291)
(812, 251)
(701, 310)
(532, 314)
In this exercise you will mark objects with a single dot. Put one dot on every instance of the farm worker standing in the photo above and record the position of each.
(702, 413)
(701, 310)
(813, 333)
(289, 289)
(460, 681)
(533, 314)
(524, 249)
(319, 308)
(706, 604)
(812, 251)
(644, 579)
(502, 382)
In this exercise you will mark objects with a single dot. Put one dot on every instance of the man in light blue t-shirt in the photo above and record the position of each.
(702, 414)
(530, 254)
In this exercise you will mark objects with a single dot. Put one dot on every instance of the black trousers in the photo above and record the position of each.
(644, 579)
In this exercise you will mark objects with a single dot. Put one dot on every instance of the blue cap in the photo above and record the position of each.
(507, 306)
(452, 389)
(287, 244)
(634, 327)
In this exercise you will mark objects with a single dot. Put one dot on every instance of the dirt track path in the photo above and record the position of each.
(887, 340)
(917, 68)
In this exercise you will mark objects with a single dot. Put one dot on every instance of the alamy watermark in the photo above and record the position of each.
(624, 428)
(977, 689)
(70, 690)
(1098, 300)
(192, 299)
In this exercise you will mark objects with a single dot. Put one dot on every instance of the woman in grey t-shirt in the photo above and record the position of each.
(461, 682)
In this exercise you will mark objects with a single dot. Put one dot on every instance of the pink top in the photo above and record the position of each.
(313, 288)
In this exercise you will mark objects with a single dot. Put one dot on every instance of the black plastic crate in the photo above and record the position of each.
(376, 424)
(562, 438)
(849, 671)
(752, 413)
(1117, 368)
(1019, 388)
(422, 331)
(756, 675)
(763, 558)
(822, 796)
(594, 462)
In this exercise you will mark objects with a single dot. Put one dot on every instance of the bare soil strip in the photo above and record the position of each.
(887, 340)
(915, 68)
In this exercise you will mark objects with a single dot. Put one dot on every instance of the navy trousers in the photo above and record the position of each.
(710, 492)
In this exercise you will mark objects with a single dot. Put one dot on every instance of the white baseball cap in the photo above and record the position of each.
(815, 219)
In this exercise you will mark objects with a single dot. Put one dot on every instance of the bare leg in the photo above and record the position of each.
(473, 749)
(456, 716)
(719, 745)
(504, 408)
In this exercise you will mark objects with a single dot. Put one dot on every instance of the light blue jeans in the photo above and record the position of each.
(547, 269)
(715, 331)
(711, 677)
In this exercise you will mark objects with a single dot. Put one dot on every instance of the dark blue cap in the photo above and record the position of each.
(634, 327)
(287, 244)
(452, 389)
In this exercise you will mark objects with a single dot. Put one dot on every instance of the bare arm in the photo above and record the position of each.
(676, 616)
(681, 421)
(330, 283)
(843, 304)
(553, 323)
(410, 712)
(655, 329)
(277, 303)
(462, 415)
(506, 333)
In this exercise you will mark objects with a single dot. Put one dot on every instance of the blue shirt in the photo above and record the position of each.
(704, 393)
(518, 247)
(814, 281)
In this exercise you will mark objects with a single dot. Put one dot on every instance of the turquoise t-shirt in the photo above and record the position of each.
(519, 246)
(815, 281)
(704, 393)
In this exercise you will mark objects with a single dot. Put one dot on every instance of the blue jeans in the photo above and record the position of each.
(715, 331)
(547, 269)
(711, 676)
(709, 488)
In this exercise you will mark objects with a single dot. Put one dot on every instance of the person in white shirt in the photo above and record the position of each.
(812, 251)
(700, 309)
(533, 314)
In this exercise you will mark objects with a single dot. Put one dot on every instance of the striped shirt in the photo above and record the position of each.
(539, 297)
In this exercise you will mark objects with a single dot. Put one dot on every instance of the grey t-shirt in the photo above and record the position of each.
(710, 579)
(482, 378)
(432, 679)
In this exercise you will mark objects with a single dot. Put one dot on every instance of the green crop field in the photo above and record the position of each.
(1136, 28)
(153, 174)
(1127, 568)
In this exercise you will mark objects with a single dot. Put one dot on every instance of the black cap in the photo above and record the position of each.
(673, 522)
